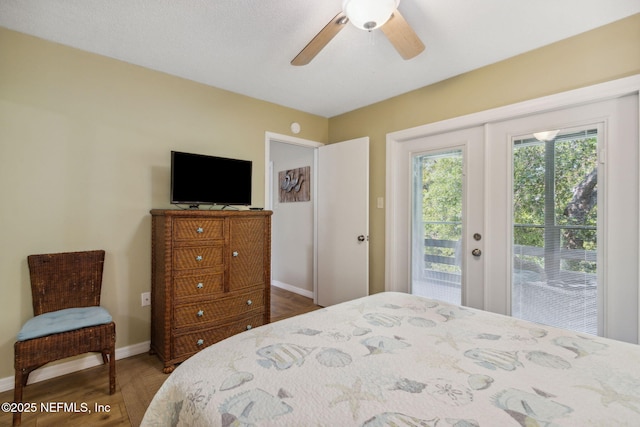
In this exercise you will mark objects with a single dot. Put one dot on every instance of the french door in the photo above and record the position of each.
(565, 183)
(447, 216)
(555, 211)
(538, 226)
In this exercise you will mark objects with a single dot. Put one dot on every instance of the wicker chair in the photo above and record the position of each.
(67, 287)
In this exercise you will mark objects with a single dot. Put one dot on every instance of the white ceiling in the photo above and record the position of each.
(245, 46)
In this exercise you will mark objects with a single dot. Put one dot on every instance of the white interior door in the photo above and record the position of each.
(343, 221)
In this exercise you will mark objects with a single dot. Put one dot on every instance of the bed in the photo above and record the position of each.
(394, 359)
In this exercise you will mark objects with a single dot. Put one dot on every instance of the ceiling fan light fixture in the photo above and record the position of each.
(369, 14)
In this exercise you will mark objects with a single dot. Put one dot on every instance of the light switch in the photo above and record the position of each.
(380, 203)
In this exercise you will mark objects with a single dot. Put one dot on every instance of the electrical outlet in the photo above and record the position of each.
(146, 298)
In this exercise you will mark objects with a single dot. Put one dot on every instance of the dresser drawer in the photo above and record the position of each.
(197, 257)
(195, 229)
(193, 342)
(209, 312)
(203, 285)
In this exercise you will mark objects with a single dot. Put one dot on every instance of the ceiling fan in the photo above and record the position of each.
(367, 15)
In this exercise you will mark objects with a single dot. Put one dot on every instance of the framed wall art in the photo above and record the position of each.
(295, 185)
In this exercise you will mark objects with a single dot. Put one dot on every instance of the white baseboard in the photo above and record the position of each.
(88, 361)
(91, 360)
(291, 288)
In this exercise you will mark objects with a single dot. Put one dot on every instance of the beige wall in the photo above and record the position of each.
(607, 53)
(85, 141)
(85, 154)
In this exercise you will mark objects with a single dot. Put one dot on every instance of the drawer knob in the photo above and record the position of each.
(200, 285)
(199, 258)
(249, 302)
(200, 313)
(235, 253)
(248, 327)
(200, 342)
(199, 230)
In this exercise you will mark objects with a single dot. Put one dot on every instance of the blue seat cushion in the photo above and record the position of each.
(63, 320)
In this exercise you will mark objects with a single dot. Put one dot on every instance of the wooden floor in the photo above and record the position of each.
(82, 399)
(287, 304)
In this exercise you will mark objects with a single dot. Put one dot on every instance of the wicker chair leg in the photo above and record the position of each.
(112, 362)
(112, 370)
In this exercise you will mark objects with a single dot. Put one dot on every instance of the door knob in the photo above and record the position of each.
(476, 252)
(361, 238)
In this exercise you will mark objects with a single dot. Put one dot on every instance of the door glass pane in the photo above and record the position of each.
(555, 247)
(437, 226)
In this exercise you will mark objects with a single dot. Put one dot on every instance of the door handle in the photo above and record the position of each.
(361, 238)
(476, 252)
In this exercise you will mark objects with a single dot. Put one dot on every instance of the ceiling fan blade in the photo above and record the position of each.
(320, 40)
(402, 36)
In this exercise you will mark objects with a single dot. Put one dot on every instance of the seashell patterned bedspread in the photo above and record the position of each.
(394, 359)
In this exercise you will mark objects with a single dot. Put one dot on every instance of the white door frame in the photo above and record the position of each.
(270, 137)
(268, 187)
(395, 254)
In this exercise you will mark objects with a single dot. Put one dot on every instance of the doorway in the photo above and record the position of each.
(599, 251)
(320, 246)
(293, 226)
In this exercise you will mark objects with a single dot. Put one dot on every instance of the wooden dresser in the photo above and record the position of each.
(211, 274)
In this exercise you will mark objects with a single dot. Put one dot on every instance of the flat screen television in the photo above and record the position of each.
(198, 179)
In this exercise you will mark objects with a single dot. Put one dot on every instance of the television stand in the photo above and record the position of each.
(224, 208)
(196, 207)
